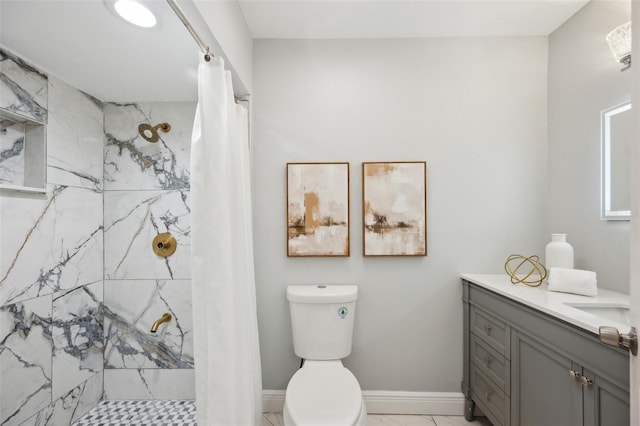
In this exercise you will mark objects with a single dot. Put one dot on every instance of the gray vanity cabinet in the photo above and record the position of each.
(524, 367)
(605, 403)
(547, 395)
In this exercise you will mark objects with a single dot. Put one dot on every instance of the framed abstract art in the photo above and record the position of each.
(317, 209)
(394, 208)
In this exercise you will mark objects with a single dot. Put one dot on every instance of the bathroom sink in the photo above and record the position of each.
(613, 312)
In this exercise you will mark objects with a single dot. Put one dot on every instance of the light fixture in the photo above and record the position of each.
(620, 44)
(135, 13)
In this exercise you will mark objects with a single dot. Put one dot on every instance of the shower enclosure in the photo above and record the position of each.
(80, 285)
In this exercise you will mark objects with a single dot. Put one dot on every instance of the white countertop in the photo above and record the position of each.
(555, 303)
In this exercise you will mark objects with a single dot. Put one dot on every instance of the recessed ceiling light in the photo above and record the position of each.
(136, 13)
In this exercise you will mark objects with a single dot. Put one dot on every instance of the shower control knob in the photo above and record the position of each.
(164, 244)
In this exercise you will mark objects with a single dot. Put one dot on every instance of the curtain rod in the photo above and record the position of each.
(178, 10)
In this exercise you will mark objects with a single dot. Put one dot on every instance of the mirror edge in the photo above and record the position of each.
(605, 163)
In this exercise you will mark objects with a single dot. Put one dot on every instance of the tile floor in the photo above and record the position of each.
(183, 413)
(275, 419)
(140, 413)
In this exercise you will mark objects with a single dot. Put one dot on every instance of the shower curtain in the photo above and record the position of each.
(227, 357)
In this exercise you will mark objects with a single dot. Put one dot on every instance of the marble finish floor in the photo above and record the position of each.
(183, 413)
(275, 419)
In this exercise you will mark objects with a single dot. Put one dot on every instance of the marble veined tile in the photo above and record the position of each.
(422, 420)
(460, 421)
(71, 406)
(272, 419)
(23, 88)
(12, 153)
(75, 137)
(78, 337)
(399, 420)
(132, 220)
(25, 359)
(131, 162)
(131, 307)
(49, 242)
(149, 384)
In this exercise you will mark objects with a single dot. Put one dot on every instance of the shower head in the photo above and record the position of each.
(151, 133)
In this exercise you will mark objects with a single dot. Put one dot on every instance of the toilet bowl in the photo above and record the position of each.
(324, 393)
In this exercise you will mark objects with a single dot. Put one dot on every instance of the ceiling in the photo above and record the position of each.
(83, 43)
(330, 19)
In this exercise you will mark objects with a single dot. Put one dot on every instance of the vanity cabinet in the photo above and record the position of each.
(525, 367)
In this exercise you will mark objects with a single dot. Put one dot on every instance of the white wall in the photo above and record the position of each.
(475, 111)
(584, 79)
(226, 21)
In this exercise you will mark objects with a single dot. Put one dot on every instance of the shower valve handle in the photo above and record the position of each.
(164, 244)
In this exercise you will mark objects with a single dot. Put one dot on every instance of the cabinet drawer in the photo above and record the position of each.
(494, 403)
(495, 366)
(490, 329)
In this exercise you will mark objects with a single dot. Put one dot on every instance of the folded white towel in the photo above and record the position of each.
(574, 281)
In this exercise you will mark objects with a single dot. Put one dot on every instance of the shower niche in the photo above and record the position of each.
(23, 153)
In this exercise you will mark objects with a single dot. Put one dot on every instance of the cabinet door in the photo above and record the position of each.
(542, 391)
(605, 404)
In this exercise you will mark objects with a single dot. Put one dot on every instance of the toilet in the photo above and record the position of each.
(323, 392)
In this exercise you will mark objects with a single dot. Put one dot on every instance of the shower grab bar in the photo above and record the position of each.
(203, 46)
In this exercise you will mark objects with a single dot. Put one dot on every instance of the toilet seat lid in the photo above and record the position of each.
(323, 393)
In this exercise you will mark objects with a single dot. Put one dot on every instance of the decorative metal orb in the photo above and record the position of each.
(525, 270)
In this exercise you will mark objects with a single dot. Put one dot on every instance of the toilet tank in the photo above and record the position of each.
(322, 320)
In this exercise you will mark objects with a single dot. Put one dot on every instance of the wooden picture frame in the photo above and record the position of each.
(394, 208)
(318, 209)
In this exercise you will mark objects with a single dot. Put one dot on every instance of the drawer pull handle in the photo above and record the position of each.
(488, 393)
(585, 381)
(574, 375)
(487, 360)
(487, 328)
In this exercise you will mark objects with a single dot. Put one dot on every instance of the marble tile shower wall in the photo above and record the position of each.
(79, 284)
(51, 257)
(146, 192)
(23, 90)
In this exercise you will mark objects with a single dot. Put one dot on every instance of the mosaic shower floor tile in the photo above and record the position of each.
(143, 413)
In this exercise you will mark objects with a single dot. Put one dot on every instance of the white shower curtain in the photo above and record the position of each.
(227, 357)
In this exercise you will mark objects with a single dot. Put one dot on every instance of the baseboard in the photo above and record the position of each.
(430, 403)
(272, 401)
(389, 402)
